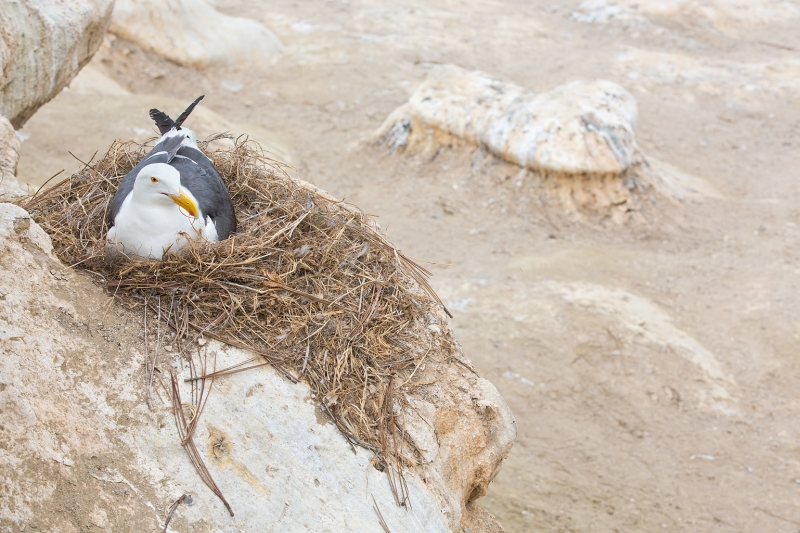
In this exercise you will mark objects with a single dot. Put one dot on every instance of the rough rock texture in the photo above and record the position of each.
(653, 326)
(717, 76)
(727, 16)
(79, 449)
(9, 155)
(193, 33)
(583, 127)
(580, 137)
(43, 44)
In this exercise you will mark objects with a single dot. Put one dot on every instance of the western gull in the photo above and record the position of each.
(173, 195)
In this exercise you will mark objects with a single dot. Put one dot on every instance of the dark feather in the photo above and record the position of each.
(183, 116)
(162, 120)
(171, 145)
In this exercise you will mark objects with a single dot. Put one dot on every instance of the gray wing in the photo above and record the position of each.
(200, 158)
(199, 175)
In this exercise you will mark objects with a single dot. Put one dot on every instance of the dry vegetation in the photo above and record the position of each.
(308, 284)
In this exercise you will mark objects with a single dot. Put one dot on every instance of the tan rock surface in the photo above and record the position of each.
(193, 33)
(43, 46)
(611, 432)
(9, 155)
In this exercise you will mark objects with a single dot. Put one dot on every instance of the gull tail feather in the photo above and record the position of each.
(183, 116)
(162, 120)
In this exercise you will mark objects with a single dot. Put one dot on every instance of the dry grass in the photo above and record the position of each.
(308, 284)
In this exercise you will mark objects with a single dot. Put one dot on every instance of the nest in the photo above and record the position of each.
(309, 284)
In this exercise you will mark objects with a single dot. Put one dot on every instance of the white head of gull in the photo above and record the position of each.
(158, 215)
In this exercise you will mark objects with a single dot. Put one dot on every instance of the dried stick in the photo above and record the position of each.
(380, 515)
(185, 431)
(186, 498)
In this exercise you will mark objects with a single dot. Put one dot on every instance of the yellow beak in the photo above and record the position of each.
(186, 203)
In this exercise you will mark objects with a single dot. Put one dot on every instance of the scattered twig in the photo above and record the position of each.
(305, 361)
(185, 430)
(147, 376)
(47, 181)
(380, 515)
(234, 369)
(186, 498)
(389, 441)
(777, 45)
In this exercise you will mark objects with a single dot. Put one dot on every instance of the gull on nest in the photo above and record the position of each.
(173, 195)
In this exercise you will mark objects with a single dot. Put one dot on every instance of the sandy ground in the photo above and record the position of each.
(653, 367)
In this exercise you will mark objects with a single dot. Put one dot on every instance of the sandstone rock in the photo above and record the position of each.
(9, 155)
(600, 12)
(72, 397)
(579, 136)
(583, 127)
(193, 33)
(552, 310)
(732, 17)
(43, 46)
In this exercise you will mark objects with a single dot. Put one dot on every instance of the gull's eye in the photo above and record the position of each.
(153, 179)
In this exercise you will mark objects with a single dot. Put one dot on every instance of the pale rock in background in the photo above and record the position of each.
(728, 16)
(601, 12)
(583, 127)
(582, 133)
(731, 17)
(193, 33)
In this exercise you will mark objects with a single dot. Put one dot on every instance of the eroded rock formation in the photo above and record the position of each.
(578, 137)
(584, 127)
(193, 33)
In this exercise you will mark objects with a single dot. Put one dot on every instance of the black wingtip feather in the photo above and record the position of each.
(183, 116)
(162, 120)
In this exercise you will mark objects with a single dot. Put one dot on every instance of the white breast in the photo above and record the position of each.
(148, 231)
